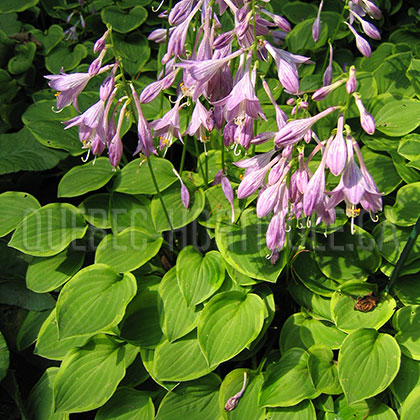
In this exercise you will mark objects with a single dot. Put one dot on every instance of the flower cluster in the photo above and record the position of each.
(216, 70)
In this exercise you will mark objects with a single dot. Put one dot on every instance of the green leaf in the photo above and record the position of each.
(315, 331)
(244, 247)
(288, 381)
(50, 38)
(128, 250)
(300, 39)
(413, 74)
(307, 271)
(366, 350)
(49, 346)
(45, 125)
(404, 169)
(134, 49)
(4, 357)
(181, 360)
(85, 178)
(247, 408)
(305, 410)
(358, 255)
(8, 6)
(41, 398)
(124, 21)
(127, 404)
(391, 75)
(199, 277)
(405, 211)
(22, 61)
(135, 177)
(177, 319)
(14, 207)
(290, 332)
(395, 115)
(348, 319)
(14, 292)
(409, 146)
(95, 210)
(391, 240)
(408, 290)
(21, 152)
(382, 169)
(48, 273)
(192, 400)
(30, 327)
(323, 369)
(94, 299)
(178, 214)
(49, 230)
(130, 211)
(228, 324)
(405, 323)
(88, 376)
(411, 406)
(144, 308)
(407, 379)
(64, 57)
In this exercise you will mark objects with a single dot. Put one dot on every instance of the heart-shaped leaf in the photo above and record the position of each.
(405, 322)
(94, 299)
(122, 20)
(229, 323)
(363, 351)
(244, 247)
(128, 250)
(405, 210)
(288, 381)
(199, 277)
(21, 62)
(49, 230)
(88, 376)
(84, 178)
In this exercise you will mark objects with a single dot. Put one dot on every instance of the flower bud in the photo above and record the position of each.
(351, 83)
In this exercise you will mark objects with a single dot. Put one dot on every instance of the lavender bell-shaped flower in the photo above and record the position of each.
(351, 83)
(366, 120)
(227, 189)
(276, 234)
(295, 130)
(145, 144)
(328, 73)
(201, 122)
(315, 190)
(115, 146)
(185, 195)
(100, 43)
(316, 27)
(368, 28)
(361, 43)
(324, 91)
(337, 153)
(371, 9)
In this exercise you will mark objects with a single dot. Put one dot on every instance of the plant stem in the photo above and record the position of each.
(184, 152)
(152, 174)
(403, 257)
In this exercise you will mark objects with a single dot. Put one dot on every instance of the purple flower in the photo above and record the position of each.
(337, 153)
(295, 130)
(281, 116)
(100, 43)
(328, 73)
(287, 67)
(244, 132)
(69, 87)
(351, 83)
(361, 43)
(90, 121)
(115, 146)
(145, 143)
(315, 190)
(227, 189)
(167, 127)
(180, 12)
(324, 91)
(316, 27)
(253, 179)
(280, 21)
(276, 232)
(200, 122)
(366, 120)
(185, 195)
(371, 9)
(152, 90)
(370, 30)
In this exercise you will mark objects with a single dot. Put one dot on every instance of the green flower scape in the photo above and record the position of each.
(209, 210)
